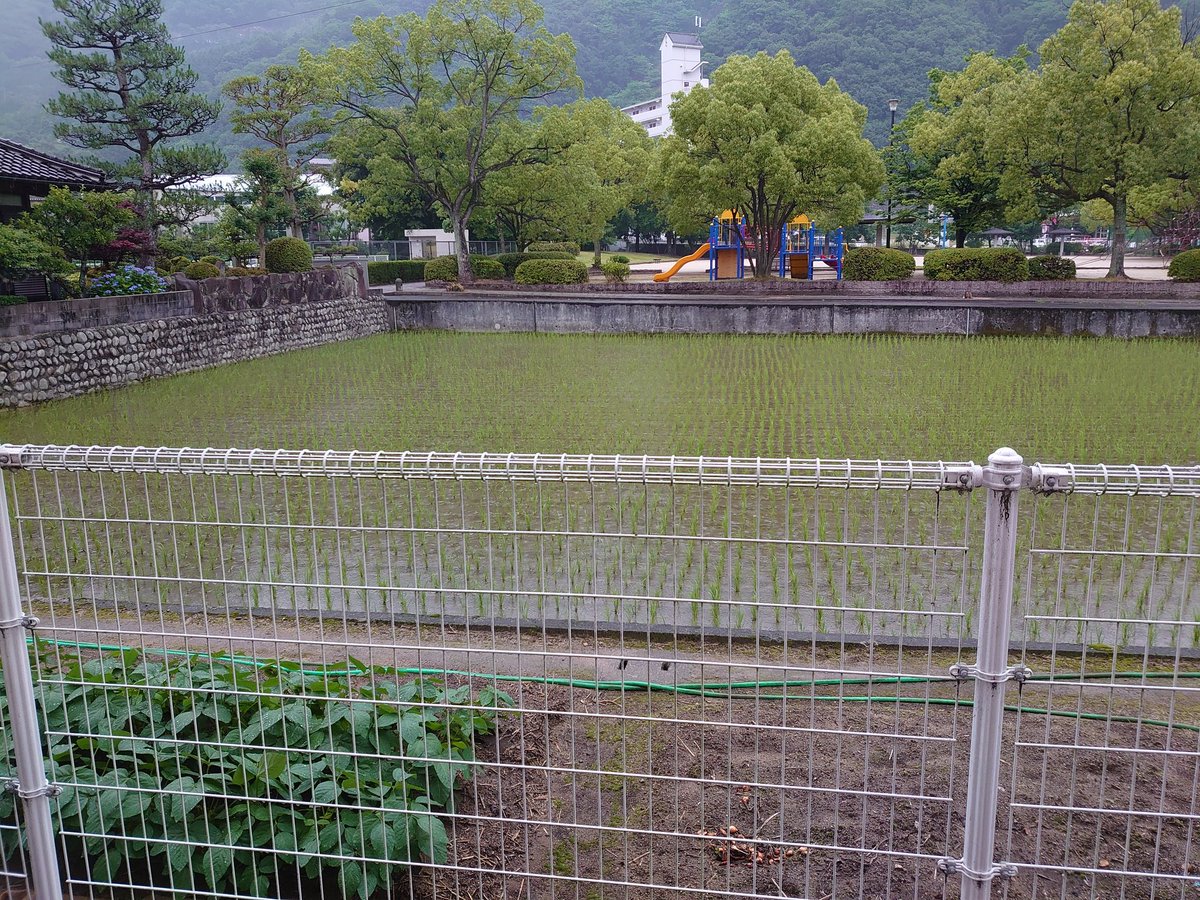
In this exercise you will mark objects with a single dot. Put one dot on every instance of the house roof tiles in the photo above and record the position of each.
(21, 163)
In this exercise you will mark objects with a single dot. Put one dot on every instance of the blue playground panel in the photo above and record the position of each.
(826, 246)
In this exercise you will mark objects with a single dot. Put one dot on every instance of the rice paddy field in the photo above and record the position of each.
(801, 396)
(701, 559)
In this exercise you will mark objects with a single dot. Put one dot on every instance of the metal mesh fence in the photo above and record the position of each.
(459, 675)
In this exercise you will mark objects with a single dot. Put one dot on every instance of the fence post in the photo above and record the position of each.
(1003, 477)
(31, 784)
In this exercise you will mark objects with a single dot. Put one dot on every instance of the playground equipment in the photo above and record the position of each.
(726, 249)
(801, 246)
(727, 244)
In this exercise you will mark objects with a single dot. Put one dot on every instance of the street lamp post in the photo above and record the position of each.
(893, 105)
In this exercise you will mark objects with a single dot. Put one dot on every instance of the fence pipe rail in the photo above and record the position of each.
(31, 784)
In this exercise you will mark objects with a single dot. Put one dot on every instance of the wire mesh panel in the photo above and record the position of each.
(1103, 796)
(450, 675)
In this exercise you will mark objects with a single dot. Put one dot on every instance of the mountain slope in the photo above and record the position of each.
(876, 49)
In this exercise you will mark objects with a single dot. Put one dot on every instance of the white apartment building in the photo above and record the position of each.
(682, 70)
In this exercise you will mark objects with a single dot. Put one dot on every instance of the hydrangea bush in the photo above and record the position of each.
(128, 280)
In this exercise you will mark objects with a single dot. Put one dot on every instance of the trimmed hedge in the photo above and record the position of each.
(615, 272)
(977, 264)
(552, 271)
(877, 264)
(1185, 266)
(213, 260)
(11, 300)
(198, 271)
(1051, 268)
(388, 271)
(568, 247)
(510, 261)
(289, 254)
(233, 271)
(445, 268)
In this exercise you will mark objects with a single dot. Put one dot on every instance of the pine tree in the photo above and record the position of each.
(130, 89)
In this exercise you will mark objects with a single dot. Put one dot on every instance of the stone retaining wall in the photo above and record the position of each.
(311, 311)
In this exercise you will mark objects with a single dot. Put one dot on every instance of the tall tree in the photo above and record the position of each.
(1113, 109)
(770, 141)
(606, 160)
(278, 107)
(939, 156)
(442, 89)
(82, 225)
(259, 204)
(130, 89)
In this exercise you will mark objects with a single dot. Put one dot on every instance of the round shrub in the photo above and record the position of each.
(1051, 268)
(445, 268)
(213, 261)
(288, 254)
(615, 272)
(619, 258)
(552, 271)
(175, 263)
(1185, 266)
(510, 261)
(556, 246)
(977, 264)
(198, 271)
(877, 264)
(127, 280)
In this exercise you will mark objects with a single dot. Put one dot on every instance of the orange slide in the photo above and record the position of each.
(666, 276)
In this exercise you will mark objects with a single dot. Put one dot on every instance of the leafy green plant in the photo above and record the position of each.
(1051, 268)
(615, 272)
(128, 280)
(288, 254)
(552, 271)
(445, 268)
(877, 264)
(213, 260)
(619, 258)
(981, 264)
(569, 247)
(11, 300)
(195, 762)
(1185, 266)
(245, 270)
(201, 270)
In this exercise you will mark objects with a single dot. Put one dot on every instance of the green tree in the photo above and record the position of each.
(1111, 110)
(939, 155)
(442, 90)
(130, 89)
(278, 107)
(605, 159)
(259, 204)
(24, 253)
(79, 224)
(770, 141)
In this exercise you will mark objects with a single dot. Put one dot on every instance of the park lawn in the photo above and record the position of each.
(634, 258)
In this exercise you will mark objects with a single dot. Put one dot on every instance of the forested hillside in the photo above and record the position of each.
(876, 49)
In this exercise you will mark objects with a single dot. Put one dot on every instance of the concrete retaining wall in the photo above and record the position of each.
(1084, 289)
(667, 315)
(303, 311)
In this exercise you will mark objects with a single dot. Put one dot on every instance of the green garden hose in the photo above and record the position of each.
(715, 690)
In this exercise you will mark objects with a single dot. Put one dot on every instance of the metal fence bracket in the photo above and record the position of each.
(964, 672)
(963, 478)
(1050, 479)
(949, 866)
